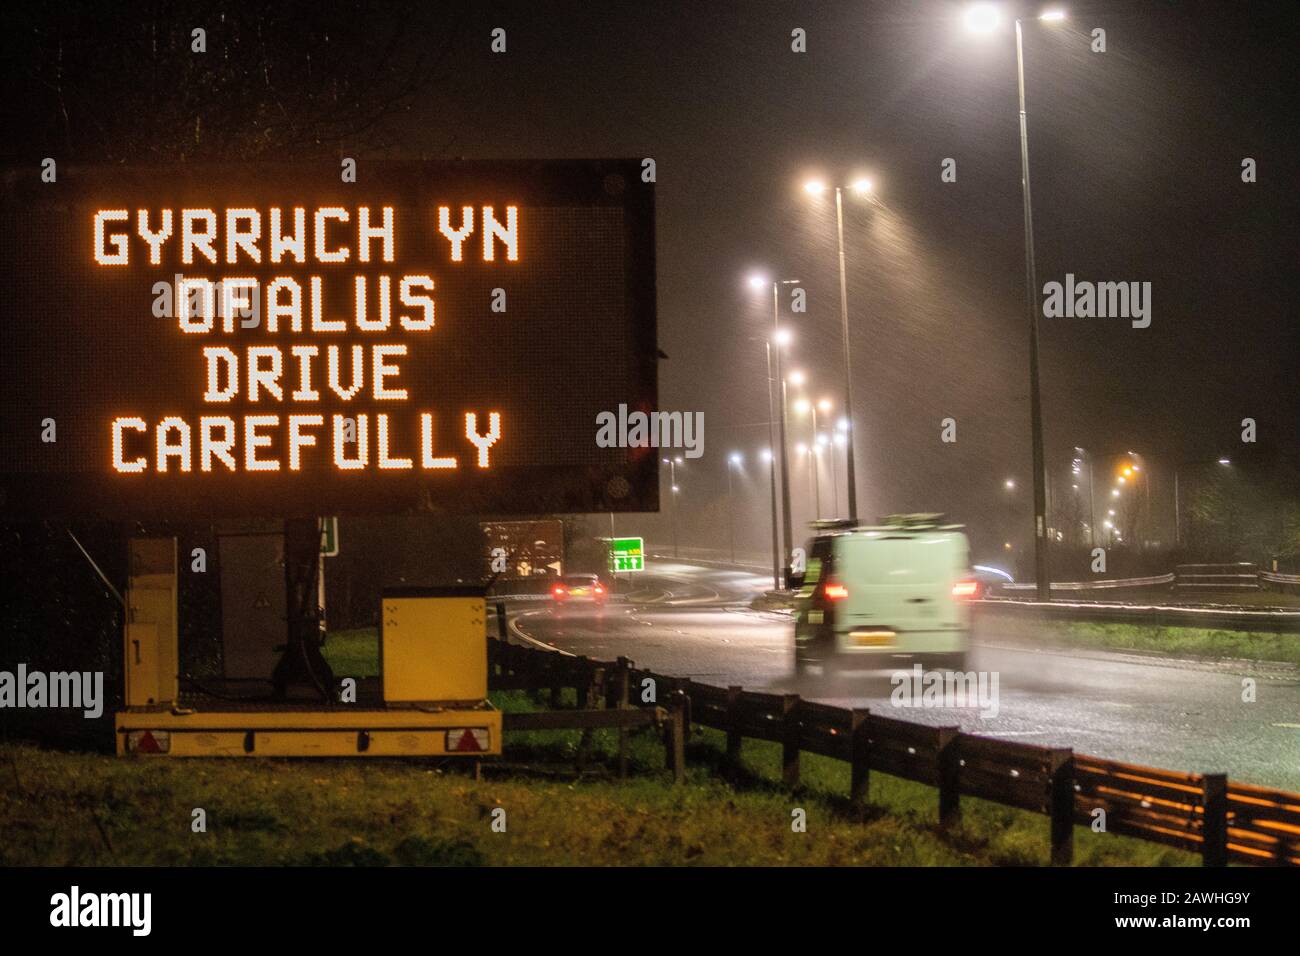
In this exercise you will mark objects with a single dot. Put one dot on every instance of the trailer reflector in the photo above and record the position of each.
(149, 742)
(467, 740)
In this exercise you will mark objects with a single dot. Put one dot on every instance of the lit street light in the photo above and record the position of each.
(734, 460)
(861, 187)
(672, 464)
(781, 337)
(985, 18)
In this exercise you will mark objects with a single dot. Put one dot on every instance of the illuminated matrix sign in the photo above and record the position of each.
(273, 341)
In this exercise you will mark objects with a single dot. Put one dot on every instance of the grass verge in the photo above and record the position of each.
(88, 809)
(1184, 641)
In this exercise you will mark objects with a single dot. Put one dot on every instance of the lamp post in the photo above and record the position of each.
(983, 18)
(771, 472)
(801, 406)
(1092, 515)
(733, 461)
(825, 406)
(672, 464)
(862, 187)
(787, 533)
(780, 338)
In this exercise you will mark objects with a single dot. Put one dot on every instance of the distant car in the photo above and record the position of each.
(885, 597)
(579, 586)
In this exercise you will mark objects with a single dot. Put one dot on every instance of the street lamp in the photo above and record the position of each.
(825, 441)
(734, 460)
(861, 187)
(781, 338)
(984, 18)
(672, 464)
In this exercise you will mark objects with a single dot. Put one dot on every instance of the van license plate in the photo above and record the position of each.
(872, 638)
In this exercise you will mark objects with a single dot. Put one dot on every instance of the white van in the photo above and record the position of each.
(885, 597)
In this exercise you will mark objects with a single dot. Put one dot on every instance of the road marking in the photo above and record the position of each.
(1292, 726)
(1012, 733)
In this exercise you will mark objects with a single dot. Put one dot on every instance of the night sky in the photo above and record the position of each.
(1136, 171)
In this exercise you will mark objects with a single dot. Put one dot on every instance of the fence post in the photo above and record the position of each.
(1062, 806)
(949, 777)
(594, 695)
(859, 755)
(676, 749)
(582, 683)
(734, 737)
(1214, 819)
(622, 688)
(790, 743)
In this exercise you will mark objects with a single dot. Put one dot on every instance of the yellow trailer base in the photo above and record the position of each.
(472, 729)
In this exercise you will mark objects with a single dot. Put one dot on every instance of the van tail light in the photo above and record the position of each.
(559, 590)
(599, 589)
(834, 591)
(966, 589)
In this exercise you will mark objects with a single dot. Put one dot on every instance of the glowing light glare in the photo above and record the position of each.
(842, 424)
(1052, 15)
(814, 187)
(801, 448)
(757, 281)
(824, 405)
(796, 377)
(823, 440)
(736, 458)
(765, 454)
(992, 570)
(1010, 484)
(862, 186)
(1225, 461)
(982, 18)
(802, 405)
(841, 439)
(782, 336)
(1115, 493)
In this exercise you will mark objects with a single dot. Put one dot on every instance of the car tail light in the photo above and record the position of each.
(148, 742)
(559, 591)
(467, 740)
(599, 589)
(966, 589)
(834, 591)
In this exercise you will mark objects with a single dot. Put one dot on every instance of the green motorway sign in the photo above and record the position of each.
(626, 554)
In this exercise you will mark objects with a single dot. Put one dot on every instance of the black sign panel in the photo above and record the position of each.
(264, 341)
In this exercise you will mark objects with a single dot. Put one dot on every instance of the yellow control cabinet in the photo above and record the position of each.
(151, 652)
(432, 645)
